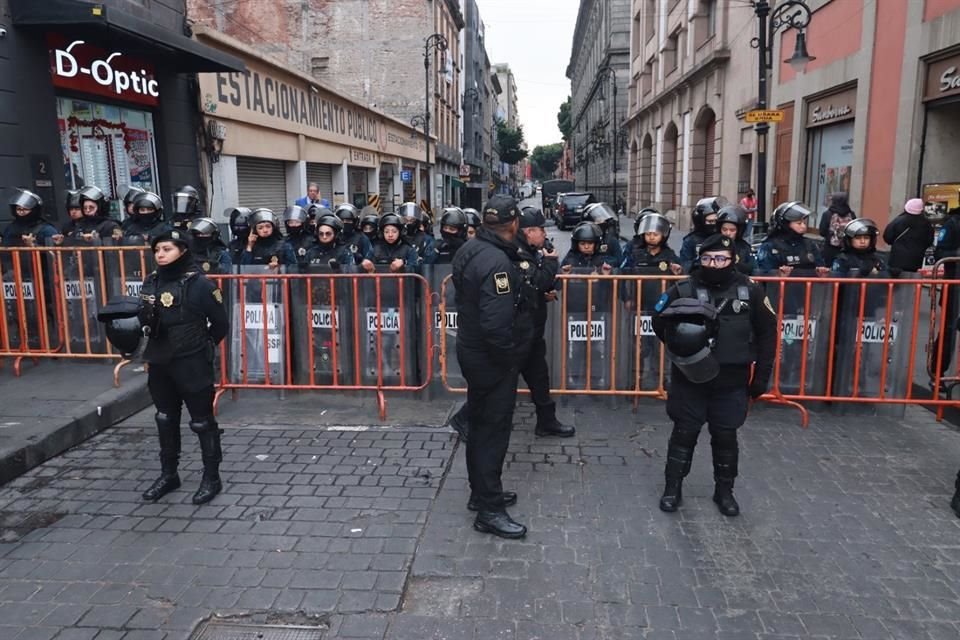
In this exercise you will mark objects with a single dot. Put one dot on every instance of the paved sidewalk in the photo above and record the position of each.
(846, 533)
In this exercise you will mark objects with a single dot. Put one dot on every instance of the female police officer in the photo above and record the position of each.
(186, 319)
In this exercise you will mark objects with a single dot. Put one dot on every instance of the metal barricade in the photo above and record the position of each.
(804, 313)
(321, 326)
(588, 317)
(443, 326)
(258, 343)
(388, 329)
(640, 351)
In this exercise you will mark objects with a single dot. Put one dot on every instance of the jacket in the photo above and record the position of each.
(908, 236)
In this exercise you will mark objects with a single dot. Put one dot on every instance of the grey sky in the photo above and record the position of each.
(534, 38)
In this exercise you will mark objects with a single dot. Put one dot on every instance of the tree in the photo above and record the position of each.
(510, 143)
(544, 160)
(563, 120)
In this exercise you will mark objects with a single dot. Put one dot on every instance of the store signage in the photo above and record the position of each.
(78, 65)
(943, 78)
(359, 157)
(769, 115)
(406, 176)
(830, 112)
(836, 107)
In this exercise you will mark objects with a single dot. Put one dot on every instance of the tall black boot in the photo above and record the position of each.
(955, 503)
(679, 461)
(548, 425)
(726, 455)
(208, 432)
(168, 432)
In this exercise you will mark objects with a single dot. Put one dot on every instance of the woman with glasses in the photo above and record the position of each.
(787, 249)
(716, 325)
(328, 251)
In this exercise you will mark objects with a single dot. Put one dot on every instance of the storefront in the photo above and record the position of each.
(97, 95)
(829, 166)
(940, 149)
(279, 130)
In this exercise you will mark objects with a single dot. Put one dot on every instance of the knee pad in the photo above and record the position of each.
(167, 420)
(203, 425)
(684, 436)
(723, 438)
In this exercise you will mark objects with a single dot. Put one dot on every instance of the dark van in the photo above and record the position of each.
(549, 191)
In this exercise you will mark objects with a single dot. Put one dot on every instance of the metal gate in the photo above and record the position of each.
(386, 188)
(262, 183)
(322, 174)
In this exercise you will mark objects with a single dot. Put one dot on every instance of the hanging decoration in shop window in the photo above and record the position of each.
(98, 126)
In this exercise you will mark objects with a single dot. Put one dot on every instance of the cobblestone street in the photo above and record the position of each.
(363, 533)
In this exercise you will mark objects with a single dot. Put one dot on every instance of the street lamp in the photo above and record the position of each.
(605, 73)
(788, 14)
(438, 42)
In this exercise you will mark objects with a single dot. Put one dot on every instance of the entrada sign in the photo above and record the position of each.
(80, 66)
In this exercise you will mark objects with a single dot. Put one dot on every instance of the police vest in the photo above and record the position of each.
(268, 251)
(582, 261)
(209, 259)
(799, 254)
(734, 328)
(301, 246)
(865, 264)
(177, 328)
(384, 253)
(646, 263)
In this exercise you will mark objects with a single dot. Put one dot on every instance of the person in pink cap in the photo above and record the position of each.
(909, 235)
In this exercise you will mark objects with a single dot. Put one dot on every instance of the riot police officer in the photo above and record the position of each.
(28, 228)
(299, 237)
(186, 207)
(414, 220)
(95, 224)
(265, 244)
(473, 222)
(786, 248)
(715, 325)
(704, 220)
(859, 258)
(585, 250)
(145, 222)
(947, 246)
(352, 236)
(186, 318)
(600, 214)
(128, 209)
(328, 251)
(453, 234)
(211, 254)
(74, 207)
(732, 222)
(390, 249)
(649, 252)
(496, 328)
(370, 223)
(239, 232)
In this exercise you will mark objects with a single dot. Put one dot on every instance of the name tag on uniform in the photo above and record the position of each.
(502, 282)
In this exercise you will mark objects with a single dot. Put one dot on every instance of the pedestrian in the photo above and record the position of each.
(209, 251)
(732, 223)
(28, 228)
(186, 207)
(606, 218)
(145, 222)
(715, 325)
(749, 204)
(859, 257)
(453, 234)
(390, 249)
(312, 197)
(909, 235)
(832, 223)
(496, 329)
(186, 318)
(786, 248)
(239, 232)
(704, 220)
(299, 238)
(415, 221)
(265, 244)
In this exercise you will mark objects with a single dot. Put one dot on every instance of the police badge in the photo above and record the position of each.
(166, 299)
(301, 251)
(524, 265)
(663, 266)
(206, 266)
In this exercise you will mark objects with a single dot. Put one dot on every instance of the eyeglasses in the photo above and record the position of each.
(717, 260)
(325, 234)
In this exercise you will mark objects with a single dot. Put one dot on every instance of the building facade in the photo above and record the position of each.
(693, 77)
(100, 95)
(508, 112)
(477, 113)
(601, 40)
(876, 114)
(370, 52)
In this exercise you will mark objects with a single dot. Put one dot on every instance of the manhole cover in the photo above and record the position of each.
(233, 631)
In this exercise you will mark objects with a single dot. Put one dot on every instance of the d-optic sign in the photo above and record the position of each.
(84, 67)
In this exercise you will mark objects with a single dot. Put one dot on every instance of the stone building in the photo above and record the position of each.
(478, 112)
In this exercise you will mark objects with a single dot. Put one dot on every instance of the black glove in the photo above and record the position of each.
(757, 387)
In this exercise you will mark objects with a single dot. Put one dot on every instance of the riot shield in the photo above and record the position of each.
(443, 326)
(873, 351)
(26, 279)
(258, 338)
(81, 291)
(587, 305)
(639, 350)
(321, 319)
(804, 335)
(388, 328)
(132, 264)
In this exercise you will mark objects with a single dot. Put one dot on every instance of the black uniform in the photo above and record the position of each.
(384, 253)
(180, 302)
(300, 243)
(447, 249)
(137, 233)
(745, 332)
(638, 257)
(496, 329)
(859, 264)
(788, 249)
(211, 255)
(948, 245)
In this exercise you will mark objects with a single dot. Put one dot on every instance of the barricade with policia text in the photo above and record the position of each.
(851, 345)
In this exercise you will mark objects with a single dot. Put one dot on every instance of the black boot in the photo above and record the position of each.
(168, 432)
(460, 424)
(209, 435)
(548, 425)
(679, 460)
(725, 462)
(499, 523)
(955, 503)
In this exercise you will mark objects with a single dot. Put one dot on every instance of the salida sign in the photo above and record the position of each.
(78, 65)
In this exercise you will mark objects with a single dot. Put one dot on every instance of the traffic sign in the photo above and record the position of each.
(406, 175)
(768, 115)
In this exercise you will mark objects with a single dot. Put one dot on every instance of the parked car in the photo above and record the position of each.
(570, 208)
(548, 193)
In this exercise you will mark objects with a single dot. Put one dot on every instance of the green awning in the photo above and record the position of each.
(458, 184)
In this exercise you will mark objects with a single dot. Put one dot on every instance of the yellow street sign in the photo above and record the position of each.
(769, 115)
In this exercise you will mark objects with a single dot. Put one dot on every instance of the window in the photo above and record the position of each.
(319, 66)
(649, 19)
(670, 55)
(705, 24)
(646, 79)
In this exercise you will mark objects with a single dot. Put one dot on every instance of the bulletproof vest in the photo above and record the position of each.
(178, 328)
(862, 264)
(734, 328)
(446, 251)
(609, 243)
(265, 250)
(582, 261)
(134, 232)
(236, 248)
(301, 246)
(102, 226)
(796, 252)
(22, 228)
(384, 253)
(644, 261)
(208, 257)
(321, 254)
(697, 239)
(419, 242)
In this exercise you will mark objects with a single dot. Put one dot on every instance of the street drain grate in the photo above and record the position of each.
(233, 631)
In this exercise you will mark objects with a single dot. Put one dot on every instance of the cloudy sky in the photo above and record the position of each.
(534, 38)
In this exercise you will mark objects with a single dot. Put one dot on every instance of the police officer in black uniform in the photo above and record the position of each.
(211, 255)
(704, 220)
(186, 207)
(602, 215)
(28, 228)
(859, 258)
(300, 238)
(732, 222)
(496, 329)
(328, 251)
(265, 244)
(128, 209)
(415, 220)
(453, 234)
(787, 248)
(145, 222)
(239, 231)
(96, 223)
(186, 318)
(473, 222)
(352, 235)
(390, 249)
(648, 252)
(370, 223)
(715, 325)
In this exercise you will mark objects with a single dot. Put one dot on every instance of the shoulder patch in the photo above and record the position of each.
(502, 282)
(218, 295)
(662, 302)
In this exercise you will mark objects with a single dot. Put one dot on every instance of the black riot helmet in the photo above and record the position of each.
(26, 200)
(149, 201)
(206, 228)
(413, 217)
(349, 215)
(73, 200)
(473, 217)
(332, 221)
(239, 221)
(121, 317)
(95, 195)
(186, 202)
(735, 215)
(265, 215)
(654, 222)
(130, 196)
(600, 214)
(391, 219)
(531, 217)
(786, 213)
(586, 232)
(295, 214)
(370, 223)
(688, 347)
(706, 206)
(860, 227)
(454, 217)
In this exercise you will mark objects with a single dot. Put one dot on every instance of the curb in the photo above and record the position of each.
(89, 419)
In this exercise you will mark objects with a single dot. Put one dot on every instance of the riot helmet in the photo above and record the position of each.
(654, 223)
(129, 197)
(453, 218)
(413, 218)
(349, 215)
(860, 227)
(73, 201)
(369, 223)
(335, 225)
(531, 217)
(186, 202)
(239, 222)
(23, 199)
(688, 347)
(706, 207)
(295, 220)
(735, 215)
(121, 319)
(391, 219)
(93, 194)
(205, 228)
(600, 214)
(151, 202)
(586, 232)
(786, 213)
(264, 215)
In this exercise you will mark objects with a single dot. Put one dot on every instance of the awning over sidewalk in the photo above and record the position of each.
(111, 24)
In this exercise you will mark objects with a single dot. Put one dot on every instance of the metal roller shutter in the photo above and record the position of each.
(386, 189)
(262, 183)
(322, 174)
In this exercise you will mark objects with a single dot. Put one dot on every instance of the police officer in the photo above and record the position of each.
(414, 220)
(28, 228)
(145, 222)
(95, 224)
(715, 325)
(299, 237)
(585, 250)
(786, 247)
(128, 209)
(948, 245)
(74, 207)
(648, 252)
(370, 223)
(704, 219)
(453, 234)
(186, 206)
(186, 318)
(239, 231)
(732, 222)
(859, 258)
(390, 249)
(211, 254)
(352, 236)
(473, 222)
(496, 328)
(600, 214)
(265, 244)
(328, 251)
